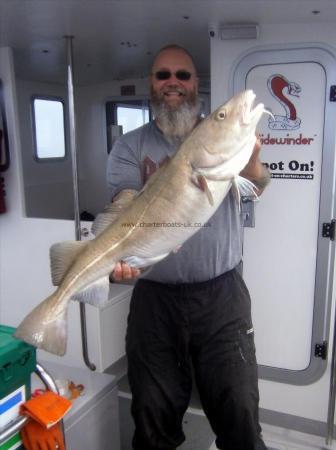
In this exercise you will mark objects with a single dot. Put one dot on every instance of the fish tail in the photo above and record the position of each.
(45, 326)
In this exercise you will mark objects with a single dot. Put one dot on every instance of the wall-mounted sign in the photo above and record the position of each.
(292, 136)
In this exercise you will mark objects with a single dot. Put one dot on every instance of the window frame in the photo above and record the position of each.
(129, 106)
(33, 122)
(122, 101)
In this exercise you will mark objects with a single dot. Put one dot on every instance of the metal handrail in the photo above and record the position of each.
(73, 148)
(20, 422)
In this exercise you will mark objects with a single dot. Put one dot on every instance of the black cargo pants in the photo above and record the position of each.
(209, 325)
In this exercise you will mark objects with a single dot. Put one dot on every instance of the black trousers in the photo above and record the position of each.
(208, 325)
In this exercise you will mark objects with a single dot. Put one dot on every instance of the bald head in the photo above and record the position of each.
(173, 50)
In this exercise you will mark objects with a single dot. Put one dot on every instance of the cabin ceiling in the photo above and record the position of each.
(116, 39)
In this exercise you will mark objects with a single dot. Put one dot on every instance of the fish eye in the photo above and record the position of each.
(221, 115)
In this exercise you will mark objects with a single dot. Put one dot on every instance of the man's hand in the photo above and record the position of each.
(123, 271)
(255, 171)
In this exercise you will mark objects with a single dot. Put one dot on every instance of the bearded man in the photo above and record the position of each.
(192, 308)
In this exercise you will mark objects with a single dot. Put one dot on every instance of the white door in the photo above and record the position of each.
(287, 262)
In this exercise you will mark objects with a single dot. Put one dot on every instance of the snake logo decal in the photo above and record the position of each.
(279, 87)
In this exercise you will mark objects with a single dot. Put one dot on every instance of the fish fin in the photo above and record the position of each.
(101, 222)
(112, 211)
(62, 255)
(200, 181)
(247, 188)
(45, 326)
(140, 262)
(243, 188)
(96, 294)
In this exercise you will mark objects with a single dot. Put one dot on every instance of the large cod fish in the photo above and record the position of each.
(188, 189)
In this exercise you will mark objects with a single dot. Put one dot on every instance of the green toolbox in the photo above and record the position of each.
(17, 362)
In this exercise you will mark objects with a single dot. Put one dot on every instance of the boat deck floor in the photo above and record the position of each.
(199, 435)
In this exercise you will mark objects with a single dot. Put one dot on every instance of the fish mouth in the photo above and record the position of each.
(257, 112)
(249, 114)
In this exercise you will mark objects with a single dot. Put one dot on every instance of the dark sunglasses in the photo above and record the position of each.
(182, 75)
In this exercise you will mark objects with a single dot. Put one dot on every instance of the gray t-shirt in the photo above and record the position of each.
(211, 251)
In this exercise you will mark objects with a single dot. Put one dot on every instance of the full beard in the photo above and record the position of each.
(176, 122)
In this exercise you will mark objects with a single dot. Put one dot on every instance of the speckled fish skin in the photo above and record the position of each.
(188, 189)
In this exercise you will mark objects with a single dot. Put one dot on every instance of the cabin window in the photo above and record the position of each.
(131, 117)
(124, 116)
(48, 124)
